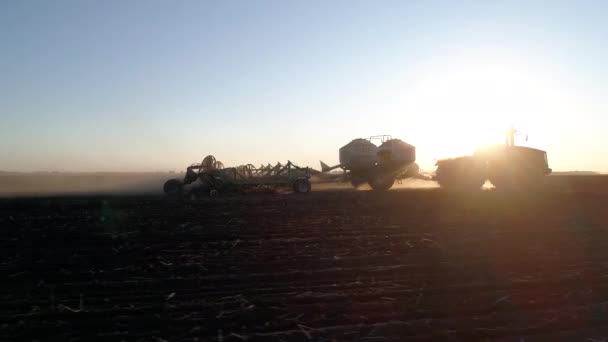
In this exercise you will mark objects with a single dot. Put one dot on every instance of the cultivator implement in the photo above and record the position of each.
(210, 177)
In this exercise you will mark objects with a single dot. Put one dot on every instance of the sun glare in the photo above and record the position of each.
(464, 106)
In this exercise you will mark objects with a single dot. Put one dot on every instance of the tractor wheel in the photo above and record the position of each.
(173, 187)
(301, 186)
(505, 179)
(460, 174)
(382, 181)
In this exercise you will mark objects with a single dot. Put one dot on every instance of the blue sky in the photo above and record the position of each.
(156, 85)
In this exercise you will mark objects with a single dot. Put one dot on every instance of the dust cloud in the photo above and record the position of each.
(412, 183)
(330, 186)
(117, 183)
(404, 184)
(57, 183)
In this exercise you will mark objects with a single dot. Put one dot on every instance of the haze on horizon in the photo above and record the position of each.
(156, 85)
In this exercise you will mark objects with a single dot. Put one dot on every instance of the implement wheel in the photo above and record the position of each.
(301, 186)
(173, 187)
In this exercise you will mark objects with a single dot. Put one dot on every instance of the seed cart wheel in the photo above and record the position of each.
(382, 181)
(173, 187)
(301, 186)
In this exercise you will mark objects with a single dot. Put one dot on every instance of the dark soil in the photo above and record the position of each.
(404, 265)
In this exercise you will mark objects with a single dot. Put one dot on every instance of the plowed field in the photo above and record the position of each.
(406, 265)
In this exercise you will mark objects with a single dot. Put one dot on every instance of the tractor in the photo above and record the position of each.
(507, 167)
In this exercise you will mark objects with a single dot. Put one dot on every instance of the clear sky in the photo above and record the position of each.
(156, 85)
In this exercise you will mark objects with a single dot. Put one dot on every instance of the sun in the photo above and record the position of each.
(463, 106)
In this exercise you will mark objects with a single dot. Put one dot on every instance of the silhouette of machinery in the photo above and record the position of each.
(379, 166)
(210, 177)
(507, 166)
